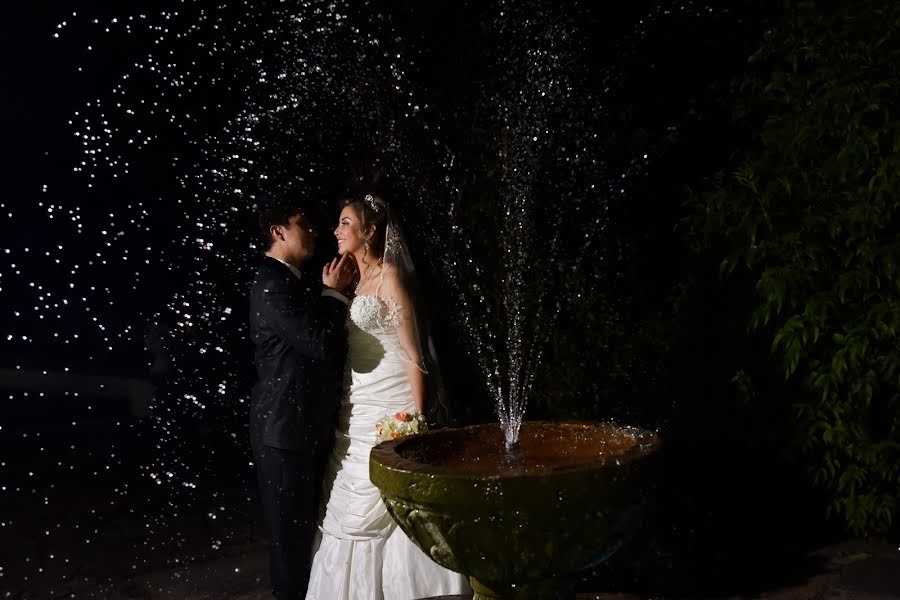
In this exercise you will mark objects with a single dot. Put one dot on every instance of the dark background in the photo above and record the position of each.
(94, 426)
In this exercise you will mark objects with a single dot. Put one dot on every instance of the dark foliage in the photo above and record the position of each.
(806, 227)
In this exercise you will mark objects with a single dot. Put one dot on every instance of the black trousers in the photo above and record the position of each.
(290, 485)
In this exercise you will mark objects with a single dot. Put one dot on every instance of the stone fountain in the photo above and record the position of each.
(519, 524)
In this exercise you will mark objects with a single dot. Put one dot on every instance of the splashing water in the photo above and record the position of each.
(283, 80)
(554, 186)
(541, 124)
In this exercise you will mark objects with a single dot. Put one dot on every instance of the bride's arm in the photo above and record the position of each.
(409, 342)
(417, 381)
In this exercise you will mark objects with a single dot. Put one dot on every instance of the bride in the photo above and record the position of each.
(362, 554)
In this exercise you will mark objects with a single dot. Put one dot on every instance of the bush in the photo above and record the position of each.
(811, 215)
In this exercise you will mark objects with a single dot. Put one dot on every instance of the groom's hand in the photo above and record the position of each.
(339, 274)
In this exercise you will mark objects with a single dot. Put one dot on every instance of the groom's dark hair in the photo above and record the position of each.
(276, 212)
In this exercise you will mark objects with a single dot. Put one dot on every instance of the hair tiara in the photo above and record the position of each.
(374, 203)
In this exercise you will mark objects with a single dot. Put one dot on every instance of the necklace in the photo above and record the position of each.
(369, 272)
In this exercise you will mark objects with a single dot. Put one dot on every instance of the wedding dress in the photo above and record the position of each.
(362, 553)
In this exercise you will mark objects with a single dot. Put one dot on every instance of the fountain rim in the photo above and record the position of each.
(386, 456)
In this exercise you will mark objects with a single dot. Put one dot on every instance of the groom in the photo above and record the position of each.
(297, 328)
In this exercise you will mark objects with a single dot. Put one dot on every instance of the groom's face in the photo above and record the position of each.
(299, 239)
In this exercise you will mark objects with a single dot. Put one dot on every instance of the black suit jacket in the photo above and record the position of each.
(300, 344)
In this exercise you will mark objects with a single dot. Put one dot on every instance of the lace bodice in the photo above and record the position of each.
(373, 313)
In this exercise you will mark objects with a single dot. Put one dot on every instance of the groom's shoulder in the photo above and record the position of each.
(268, 267)
(269, 271)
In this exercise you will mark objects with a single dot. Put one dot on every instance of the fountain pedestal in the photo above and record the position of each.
(520, 527)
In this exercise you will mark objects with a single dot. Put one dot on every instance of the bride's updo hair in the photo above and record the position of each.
(371, 210)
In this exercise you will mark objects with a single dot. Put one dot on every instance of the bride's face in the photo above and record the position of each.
(349, 232)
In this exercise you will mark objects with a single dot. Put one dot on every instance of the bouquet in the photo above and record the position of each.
(399, 425)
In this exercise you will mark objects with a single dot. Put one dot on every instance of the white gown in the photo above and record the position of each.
(362, 553)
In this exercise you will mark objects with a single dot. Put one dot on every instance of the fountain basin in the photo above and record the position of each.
(523, 525)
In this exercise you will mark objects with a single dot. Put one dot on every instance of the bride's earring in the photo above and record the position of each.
(366, 245)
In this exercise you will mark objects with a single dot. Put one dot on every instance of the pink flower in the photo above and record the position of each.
(395, 435)
(403, 417)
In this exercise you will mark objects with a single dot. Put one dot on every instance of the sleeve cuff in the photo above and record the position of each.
(335, 294)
